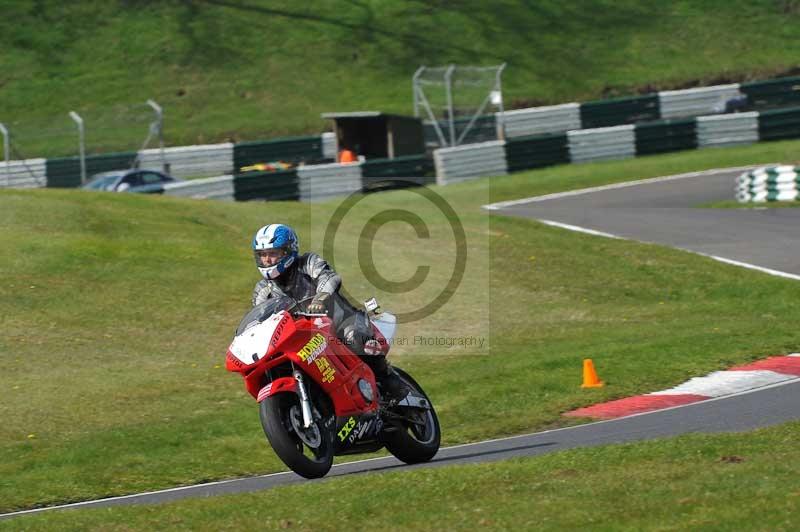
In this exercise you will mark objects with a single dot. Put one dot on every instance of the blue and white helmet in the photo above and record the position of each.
(275, 236)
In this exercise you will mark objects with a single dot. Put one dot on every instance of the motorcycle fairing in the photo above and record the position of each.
(256, 341)
(279, 385)
(354, 430)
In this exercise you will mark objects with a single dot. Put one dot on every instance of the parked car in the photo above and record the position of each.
(133, 180)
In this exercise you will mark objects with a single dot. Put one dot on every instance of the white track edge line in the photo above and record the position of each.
(762, 269)
(732, 262)
(625, 184)
(581, 229)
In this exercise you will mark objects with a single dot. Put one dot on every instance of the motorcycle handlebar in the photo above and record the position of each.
(306, 314)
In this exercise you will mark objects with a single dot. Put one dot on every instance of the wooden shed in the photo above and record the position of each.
(376, 135)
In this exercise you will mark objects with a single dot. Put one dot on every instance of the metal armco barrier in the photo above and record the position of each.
(771, 183)
(697, 102)
(329, 146)
(602, 144)
(272, 186)
(291, 149)
(191, 161)
(771, 93)
(665, 135)
(218, 188)
(66, 172)
(727, 130)
(523, 153)
(779, 124)
(398, 172)
(324, 181)
(27, 173)
(472, 161)
(603, 113)
(539, 120)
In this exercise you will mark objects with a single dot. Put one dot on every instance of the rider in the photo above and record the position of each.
(275, 247)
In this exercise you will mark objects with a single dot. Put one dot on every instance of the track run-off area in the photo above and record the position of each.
(660, 211)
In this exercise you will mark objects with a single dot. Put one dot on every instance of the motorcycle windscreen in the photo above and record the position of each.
(263, 311)
(386, 324)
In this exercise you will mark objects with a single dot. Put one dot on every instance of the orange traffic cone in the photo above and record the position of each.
(590, 379)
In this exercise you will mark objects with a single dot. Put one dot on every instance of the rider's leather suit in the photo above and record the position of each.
(309, 275)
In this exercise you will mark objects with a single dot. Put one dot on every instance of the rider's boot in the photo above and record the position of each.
(393, 388)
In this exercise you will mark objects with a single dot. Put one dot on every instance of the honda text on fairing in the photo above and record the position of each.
(317, 399)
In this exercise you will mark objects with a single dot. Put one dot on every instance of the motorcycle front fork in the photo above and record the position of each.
(305, 402)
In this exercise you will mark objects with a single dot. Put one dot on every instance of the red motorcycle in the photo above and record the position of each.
(317, 399)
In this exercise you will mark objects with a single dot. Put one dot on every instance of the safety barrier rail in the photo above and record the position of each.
(727, 130)
(605, 113)
(27, 173)
(539, 120)
(697, 102)
(474, 160)
(273, 186)
(190, 161)
(600, 144)
(218, 188)
(779, 124)
(324, 181)
(771, 93)
(665, 135)
(523, 153)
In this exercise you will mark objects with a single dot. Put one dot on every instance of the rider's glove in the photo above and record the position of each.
(319, 305)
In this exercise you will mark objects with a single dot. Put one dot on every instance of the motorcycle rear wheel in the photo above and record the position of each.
(310, 455)
(413, 444)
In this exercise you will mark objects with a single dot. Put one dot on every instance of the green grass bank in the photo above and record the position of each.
(257, 70)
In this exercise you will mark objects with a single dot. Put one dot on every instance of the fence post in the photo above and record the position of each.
(449, 92)
(501, 126)
(160, 125)
(414, 81)
(82, 143)
(4, 131)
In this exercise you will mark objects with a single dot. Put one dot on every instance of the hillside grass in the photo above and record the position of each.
(711, 482)
(226, 70)
(117, 309)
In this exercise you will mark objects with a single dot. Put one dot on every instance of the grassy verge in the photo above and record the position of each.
(116, 311)
(710, 482)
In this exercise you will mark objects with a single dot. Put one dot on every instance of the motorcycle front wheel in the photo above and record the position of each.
(417, 439)
(307, 452)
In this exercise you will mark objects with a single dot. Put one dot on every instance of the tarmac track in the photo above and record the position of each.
(665, 211)
(659, 211)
